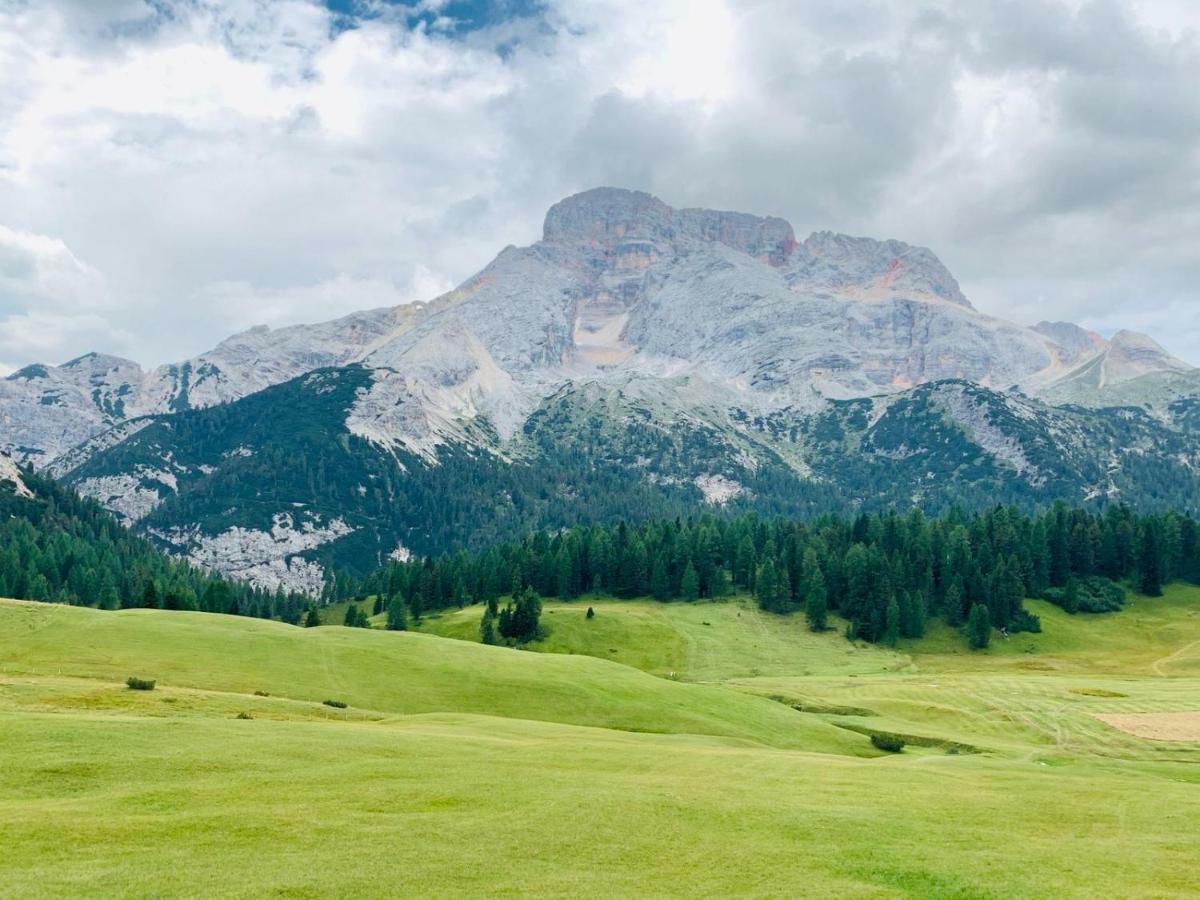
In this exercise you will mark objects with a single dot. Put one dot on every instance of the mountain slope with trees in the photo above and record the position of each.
(58, 547)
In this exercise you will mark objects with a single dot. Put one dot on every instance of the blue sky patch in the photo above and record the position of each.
(465, 15)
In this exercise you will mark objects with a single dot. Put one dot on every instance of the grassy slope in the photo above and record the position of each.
(387, 672)
(454, 803)
(1036, 694)
(696, 641)
(1151, 636)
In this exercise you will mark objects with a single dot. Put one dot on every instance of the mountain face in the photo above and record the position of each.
(10, 477)
(637, 360)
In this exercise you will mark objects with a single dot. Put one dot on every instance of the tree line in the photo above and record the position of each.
(886, 574)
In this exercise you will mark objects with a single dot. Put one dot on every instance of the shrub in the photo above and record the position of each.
(261, 694)
(139, 684)
(1093, 594)
(591, 613)
(244, 715)
(888, 743)
(1026, 621)
(336, 704)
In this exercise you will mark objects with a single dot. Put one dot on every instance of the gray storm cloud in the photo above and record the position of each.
(170, 174)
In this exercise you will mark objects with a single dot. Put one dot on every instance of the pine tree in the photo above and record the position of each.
(313, 619)
(1070, 602)
(660, 579)
(767, 586)
(979, 627)
(719, 587)
(891, 626)
(397, 614)
(954, 602)
(1150, 561)
(689, 587)
(487, 627)
(816, 599)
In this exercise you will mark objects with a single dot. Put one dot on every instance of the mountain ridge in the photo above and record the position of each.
(608, 276)
(636, 359)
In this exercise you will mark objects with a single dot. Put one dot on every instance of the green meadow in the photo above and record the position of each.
(704, 749)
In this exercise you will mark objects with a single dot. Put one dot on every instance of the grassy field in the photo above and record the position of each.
(700, 642)
(459, 769)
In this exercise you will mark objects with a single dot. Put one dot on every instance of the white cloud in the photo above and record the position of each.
(166, 179)
(55, 337)
(41, 271)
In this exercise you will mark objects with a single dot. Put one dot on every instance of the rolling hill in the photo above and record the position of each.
(460, 769)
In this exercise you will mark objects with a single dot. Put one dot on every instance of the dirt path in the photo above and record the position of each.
(1182, 651)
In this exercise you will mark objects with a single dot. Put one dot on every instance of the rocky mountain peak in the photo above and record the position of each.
(841, 262)
(99, 362)
(1072, 339)
(618, 220)
(604, 216)
(1136, 353)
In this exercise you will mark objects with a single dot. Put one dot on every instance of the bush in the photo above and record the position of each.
(1093, 594)
(1024, 620)
(139, 684)
(888, 743)
(336, 704)
(261, 694)
(244, 715)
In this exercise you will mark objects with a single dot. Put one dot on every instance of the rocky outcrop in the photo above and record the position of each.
(10, 477)
(271, 560)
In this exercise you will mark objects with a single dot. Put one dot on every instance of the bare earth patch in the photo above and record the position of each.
(1169, 726)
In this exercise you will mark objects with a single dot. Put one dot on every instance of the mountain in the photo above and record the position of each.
(637, 360)
(11, 479)
(56, 546)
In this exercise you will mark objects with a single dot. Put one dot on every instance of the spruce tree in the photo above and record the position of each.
(313, 619)
(487, 627)
(689, 587)
(660, 579)
(1149, 561)
(891, 623)
(979, 627)
(397, 614)
(816, 600)
(1071, 597)
(766, 586)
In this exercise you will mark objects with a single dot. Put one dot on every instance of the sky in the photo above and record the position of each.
(174, 171)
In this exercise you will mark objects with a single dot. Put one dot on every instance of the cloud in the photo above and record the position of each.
(35, 268)
(173, 171)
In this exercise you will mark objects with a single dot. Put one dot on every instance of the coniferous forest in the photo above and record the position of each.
(58, 547)
(887, 575)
